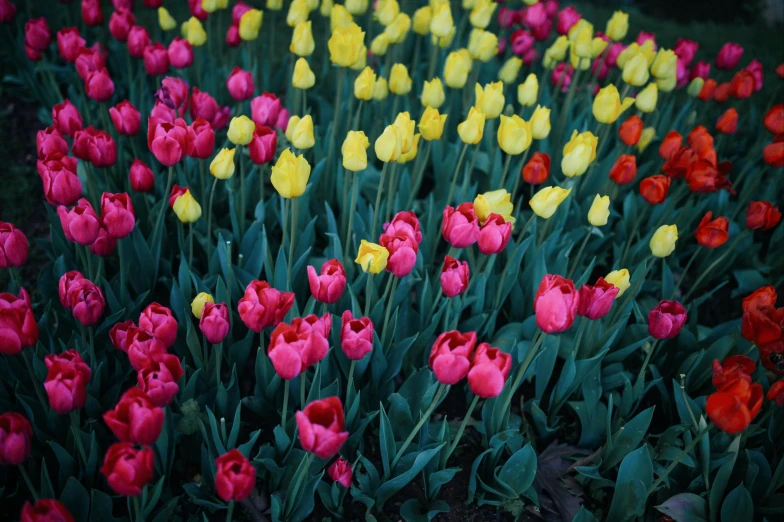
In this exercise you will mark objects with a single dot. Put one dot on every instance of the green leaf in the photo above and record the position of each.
(738, 506)
(393, 485)
(101, 507)
(627, 438)
(76, 499)
(722, 478)
(635, 469)
(584, 516)
(519, 471)
(386, 440)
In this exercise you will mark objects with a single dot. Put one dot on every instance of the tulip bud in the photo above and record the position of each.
(389, 145)
(490, 101)
(494, 202)
(728, 122)
(135, 418)
(302, 43)
(456, 68)
(356, 336)
(241, 130)
(618, 26)
(537, 169)
(222, 166)
(483, 45)
(455, 276)
(546, 201)
(165, 20)
(619, 279)
(635, 72)
(654, 189)
(472, 129)
(240, 85)
(607, 105)
(514, 134)
(405, 125)
(15, 439)
(363, 85)
(214, 322)
(631, 130)
(450, 356)
(327, 287)
(578, 153)
(599, 211)
(528, 91)
(187, 208)
(432, 124)
(354, 151)
(197, 305)
(489, 371)
(540, 123)
(290, 174)
(380, 89)
(596, 301)
(762, 215)
(663, 240)
(666, 320)
(371, 257)
(695, 87)
(321, 427)
(303, 77)
(127, 469)
(433, 93)
(345, 44)
(555, 304)
(194, 32)
(494, 234)
(441, 22)
(646, 99)
(421, 20)
(262, 306)
(399, 80)
(664, 64)
(249, 25)
(509, 71)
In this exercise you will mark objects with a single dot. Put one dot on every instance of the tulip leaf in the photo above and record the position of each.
(519, 471)
(721, 480)
(395, 484)
(386, 440)
(76, 498)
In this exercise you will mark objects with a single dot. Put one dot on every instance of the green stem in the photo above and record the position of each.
(507, 161)
(138, 508)
(457, 170)
(159, 220)
(395, 281)
(284, 413)
(242, 189)
(368, 290)
(579, 337)
(376, 208)
(190, 246)
(121, 256)
(350, 383)
(713, 265)
(462, 427)
(302, 473)
(525, 227)
(77, 435)
(292, 239)
(336, 121)
(230, 511)
(29, 483)
(209, 220)
(579, 253)
(683, 274)
(218, 361)
(678, 459)
(418, 171)
(520, 373)
(651, 348)
(351, 211)
(440, 391)
(41, 398)
(302, 383)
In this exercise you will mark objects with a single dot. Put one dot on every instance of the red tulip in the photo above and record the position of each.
(45, 510)
(356, 336)
(222, 118)
(128, 469)
(537, 169)
(762, 322)
(743, 84)
(595, 301)
(61, 184)
(160, 113)
(729, 56)
(143, 348)
(631, 130)
(450, 356)
(69, 43)
(773, 154)
(702, 176)
(176, 192)
(460, 225)
(282, 122)
(702, 70)
(50, 141)
(454, 277)
(671, 143)
(240, 85)
(66, 118)
(489, 370)
(138, 40)
(159, 379)
(235, 476)
(119, 335)
(13, 246)
(201, 139)
(755, 68)
(37, 36)
(160, 321)
(321, 427)
(141, 177)
(99, 85)
(624, 170)
(263, 306)
(197, 10)
(263, 144)
(775, 394)
(168, 142)
(7, 11)
(91, 12)
(265, 109)
(728, 122)
(135, 418)
(761, 215)
(712, 233)
(774, 119)
(555, 304)
(16, 436)
(214, 322)
(722, 92)
(86, 301)
(731, 369)
(239, 9)
(156, 59)
(120, 23)
(407, 223)
(203, 105)
(67, 280)
(521, 42)
(643, 37)
(66, 383)
(101, 149)
(126, 118)
(654, 189)
(494, 234)
(340, 471)
(18, 329)
(104, 244)
(666, 320)
(117, 215)
(152, 4)
(180, 53)
(233, 38)
(733, 408)
(80, 224)
(329, 285)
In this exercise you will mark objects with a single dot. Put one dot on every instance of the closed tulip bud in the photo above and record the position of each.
(187, 208)
(66, 381)
(648, 133)
(540, 123)
(528, 91)
(300, 132)
(356, 336)
(599, 211)
(197, 305)
(537, 169)
(69, 43)
(664, 64)
(156, 59)
(99, 85)
(399, 80)
(578, 153)
(607, 105)
(241, 130)
(631, 130)
(249, 25)
(489, 371)
(209, 6)
(398, 29)
(712, 233)
(483, 45)
(441, 22)
(482, 13)
(321, 427)
(421, 20)
(596, 300)
(302, 43)
(494, 202)
(194, 32)
(654, 189)
(120, 23)
(667, 84)
(431, 125)
(456, 68)
(663, 240)
(546, 201)
(7, 14)
(460, 226)
(290, 174)
(620, 279)
(514, 134)
(407, 156)
(303, 77)
(472, 129)
(165, 20)
(346, 44)
(214, 322)
(235, 476)
(624, 170)
(127, 469)
(135, 418)
(728, 122)
(117, 215)
(450, 356)
(385, 11)
(274, 5)
(80, 224)
(364, 83)
(66, 118)
(646, 99)
(773, 120)
(160, 322)
(13, 246)
(262, 146)
(490, 100)
(635, 71)
(380, 89)
(138, 40)
(126, 118)
(380, 44)
(371, 257)
(695, 87)
(16, 436)
(433, 93)
(329, 285)
(494, 234)
(339, 17)
(262, 306)
(354, 151)
(555, 304)
(666, 320)
(405, 125)
(618, 26)
(773, 153)
(455, 276)
(762, 215)
(240, 85)
(729, 56)
(389, 145)
(222, 166)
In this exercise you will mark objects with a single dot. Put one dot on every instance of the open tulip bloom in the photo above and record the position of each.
(298, 258)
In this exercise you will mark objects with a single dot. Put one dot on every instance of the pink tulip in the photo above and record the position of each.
(494, 234)
(321, 427)
(555, 304)
(489, 370)
(329, 285)
(460, 225)
(356, 336)
(454, 276)
(450, 356)
(666, 320)
(595, 301)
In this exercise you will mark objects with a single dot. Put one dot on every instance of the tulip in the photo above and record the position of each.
(143, 348)
(595, 301)
(620, 279)
(165, 20)
(187, 208)
(399, 80)
(456, 68)
(712, 233)
(263, 144)
(201, 139)
(433, 94)
(262, 306)
(773, 154)
(528, 91)
(537, 169)
(402, 253)
(702, 176)
(329, 285)
(761, 320)
(66, 118)
(120, 23)
(235, 476)
(755, 68)
(86, 302)
(18, 328)
(483, 45)
(509, 71)
(69, 43)
(743, 84)
(460, 225)
(472, 129)
(450, 356)
(300, 132)
(345, 44)
(214, 322)
(372, 258)
(138, 40)
(441, 22)
(397, 30)
(514, 134)
(193, 31)
(489, 371)
(728, 122)
(654, 189)
(222, 166)
(249, 25)
(158, 320)
(13, 246)
(240, 85)
(607, 105)
(454, 277)
(45, 509)
(141, 177)
(494, 202)
(761, 215)
(389, 145)
(773, 120)
(7, 14)
(128, 469)
(64, 286)
(37, 36)
(729, 55)
(666, 320)
(321, 427)
(65, 384)
(354, 150)
(617, 26)
(15, 438)
(119, 335)
(555, 304)
(635, 70)
(117, 215)
(624, 170)
(663, 240)
(290, 174)
(126, 118)
(731, 369)
(241, 130)
(490, 101)
(340, 471)
(380, 44)
(494, 234)
(159, 379)
(197, 305)
(356, 336)
(733, 407)
(61, 184)
(50, 141)
(135, 418)
(364, 83)
(599, 211)
(266, 109)
(80, 224)
(546, 201)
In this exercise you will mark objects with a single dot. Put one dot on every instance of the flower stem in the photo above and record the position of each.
(350, 383)
(713, 265)
(395, 281)
(440, 392)
(231, 511)
(677, 460)
(302, 382)
(683, 274)
(376, 208)
(284, 413)
(302, 472)
(29, 483)
(209, 220)
(218, 360)
(41, 399)
(77, 435)
(292, 239)
(159, 220)
(651, 349)
(457, 170)
(368, 290)
(462, 427)
(242, 190)
(507, 161)
(580, 253)
(351, 210)
(529, 357)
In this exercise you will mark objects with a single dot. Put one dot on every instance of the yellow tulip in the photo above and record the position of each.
(290, 126)
(421, 21)
(577, 62)
(664, 65)
(648, 50)
(223, 4)
(472, 129)
(412, 152)
(380, 44)
(222, 166)
(467, 5)
(666, 84)
(648, 133)
(456, 68)
(339, 17)
(325, 10)
(635, 72)
(209, 6)
(398, 29)
(346, 44)
(617, 26)
(354, 151)
(494, 202)
(441, 22)
(371, 257)
(490, 100)
(290, 174)
(302, 43)
(582, 41)
(540, 123)
(695, 87)
(483, 45)
(302, 134)
(514, 134)
(187, 208)
(431, 125)
(380, 89)
(581, 26)
(607, 105)
(399, 80)
(406, 126)
(241, 130)
(646, 98)
(599, 211)
(433, 93)
(528, 91)
(363, 85)
(357, 7)
(509, 71)
(663, 240)
(598, 45)
(276, 5)
(250, 23)
(361, 63)
(303, 77)
(627, 54)
(546, 201)
(312, 5)
(299, 10)
(620, 279)
(197, 305)
(386, 11)
(578, 153)
(165, 20)
(482, 13)
(444, 42)
(389, 145)
(193, 31)
(556, 52)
